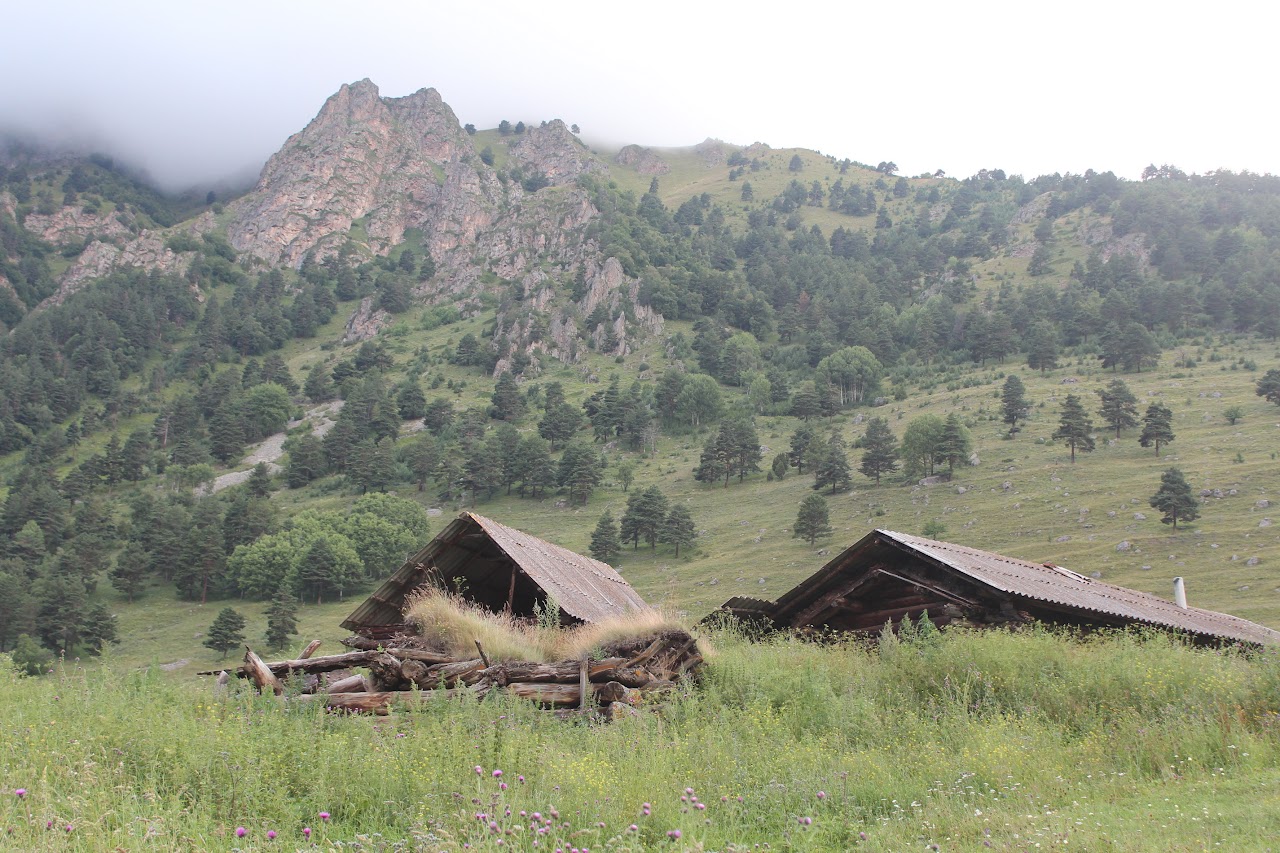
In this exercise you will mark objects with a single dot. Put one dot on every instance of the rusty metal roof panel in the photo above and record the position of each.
(585, 588)
(1059, 586)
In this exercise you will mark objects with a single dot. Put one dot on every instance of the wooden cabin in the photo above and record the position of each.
(499, 568)
(889, 576)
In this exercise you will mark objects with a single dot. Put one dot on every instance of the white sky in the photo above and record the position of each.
(197, 91)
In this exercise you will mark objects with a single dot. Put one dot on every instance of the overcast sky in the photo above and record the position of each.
(196, 92)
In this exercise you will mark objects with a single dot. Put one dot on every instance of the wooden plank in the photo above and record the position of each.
(810, 614)
(309, 650)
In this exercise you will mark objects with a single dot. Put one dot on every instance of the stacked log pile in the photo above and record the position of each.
(625, 676)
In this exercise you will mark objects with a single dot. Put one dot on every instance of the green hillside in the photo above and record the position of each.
(121, 397)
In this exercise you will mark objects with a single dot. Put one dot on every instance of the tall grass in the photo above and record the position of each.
(958, 739)
(455, 625)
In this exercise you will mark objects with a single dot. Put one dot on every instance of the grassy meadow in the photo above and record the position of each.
(953, 741)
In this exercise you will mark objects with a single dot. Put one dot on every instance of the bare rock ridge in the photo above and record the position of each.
(393, 163)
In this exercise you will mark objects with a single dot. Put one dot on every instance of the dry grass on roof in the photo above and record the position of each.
(453, 625)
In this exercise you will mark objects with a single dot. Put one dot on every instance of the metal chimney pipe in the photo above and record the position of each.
(1180, 593)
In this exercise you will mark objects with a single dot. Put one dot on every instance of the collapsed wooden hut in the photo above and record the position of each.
(501, 569)
(477, 563)
(889, 576)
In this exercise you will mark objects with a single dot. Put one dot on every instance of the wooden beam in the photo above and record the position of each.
(811, 613)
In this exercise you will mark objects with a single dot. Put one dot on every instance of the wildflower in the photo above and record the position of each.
(520, 779)
(241, 832)
(497, 774)
(862, 836)
(633, 828)
(502, 786)
(20, 793)
(700, 806)
(49, 825)
(306, 832)
(69, 827)
(688, 790)
(324, 815)
(271, 834)
(479, 770)
(673, 834)
(822, 795)
(806, 821)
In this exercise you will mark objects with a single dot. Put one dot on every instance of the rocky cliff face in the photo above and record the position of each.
(388, 164)
(368, 169)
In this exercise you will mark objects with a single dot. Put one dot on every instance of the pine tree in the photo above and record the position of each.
(508, 402)
(1074, 426)
(1174, 499)
(226, 632)
(1157, 427)
(831, 466)
(813, 520)
(1042, 347)
(1269, 386)
(1119, 406)
(282, 618)
(259, 482)
(605, 543)
(1013, 402)
(956, 443)
(713, 465)
(679, 528)
(880, 449)
(803, 440)
(644, 517)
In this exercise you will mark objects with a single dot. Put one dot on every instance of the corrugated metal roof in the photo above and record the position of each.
(1056, 585)
(584, 588)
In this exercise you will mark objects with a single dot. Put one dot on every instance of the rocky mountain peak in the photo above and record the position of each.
(363, 157)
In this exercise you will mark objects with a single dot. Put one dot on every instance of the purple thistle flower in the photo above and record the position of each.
(271, 834)
(633, 828)
(324, 815)
(700, 806)
(20, 793)
(306, 832)
(497, 774)
(520, 779)
(241, 832)
(674, 834)
(502, 786)
(69, 827)
(822, 795)
(862, 836)
(479, 770)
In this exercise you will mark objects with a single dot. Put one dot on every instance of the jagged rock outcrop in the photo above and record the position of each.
(365, 323)
(642, 159)
(147, 251)
(553, 152)
(712, 152)
(72, 224)
(388, 163)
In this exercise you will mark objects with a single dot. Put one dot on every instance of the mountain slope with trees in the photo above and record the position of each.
(514, 321)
